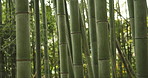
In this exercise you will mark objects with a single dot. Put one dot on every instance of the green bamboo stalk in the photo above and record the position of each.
(82, 10)
(22, 39)
(93, 38)
(55, 5)
(33, 36)
(141, 44)
(45, 39)
(102, 39)
(76, 39)
(62, 38)
(71, 73)
(118, 31)
(125, 61)
(38, 49)
(68, 31)
(131, 15)
(85, 42)
(55, 9)
(112, 38)
(86, 49)
(132, 24)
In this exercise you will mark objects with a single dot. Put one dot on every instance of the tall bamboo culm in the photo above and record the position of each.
(46, 68)
(141, 45)
(62, 38)
(93, 37)
(22, 39)
(38, 48)
(131, 15)
(102, 39)
(112, 38)
(86, 49)
(71, 73)
(76, 39)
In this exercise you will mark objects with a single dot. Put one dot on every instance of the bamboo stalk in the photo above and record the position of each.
(131, 15)
(76, 39)
(125, 61)
(102, 39)
(93, 38)
(22, 40)
(71, 70)
(86, 49)
(141, 43)
(62, 38)
(38, 48)
(112, 38)
(46, 69)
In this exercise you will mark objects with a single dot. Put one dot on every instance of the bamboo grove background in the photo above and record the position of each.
(73, 39)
